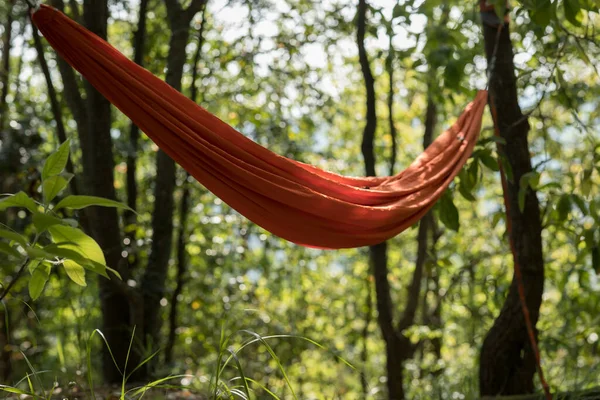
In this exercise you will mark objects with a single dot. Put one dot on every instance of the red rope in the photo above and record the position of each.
(518, 274)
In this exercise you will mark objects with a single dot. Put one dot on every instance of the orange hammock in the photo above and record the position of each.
(296, 201)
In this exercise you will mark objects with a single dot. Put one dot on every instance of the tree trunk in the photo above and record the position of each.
(54, 104)
(154, 279)
(5, 67)
(5, 326)
(378, 253)
(5, 351)
(93, 118)
(507, 363)
(364, 381)
(184, 209)
(139, 40)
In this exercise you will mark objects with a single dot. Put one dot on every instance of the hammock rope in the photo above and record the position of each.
(295, 201)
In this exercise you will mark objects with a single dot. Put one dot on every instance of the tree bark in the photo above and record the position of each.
(5, 325)
(364, 381)
(398, 347)
(389, 64)
(153, 281)
(54, 104)
(5, 67)
(507, 362)
(93, 118)
(183, 215)
(139, 41)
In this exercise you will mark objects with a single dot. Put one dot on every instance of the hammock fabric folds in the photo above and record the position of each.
(293, 200)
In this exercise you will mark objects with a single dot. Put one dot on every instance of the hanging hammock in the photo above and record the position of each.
(293, 200)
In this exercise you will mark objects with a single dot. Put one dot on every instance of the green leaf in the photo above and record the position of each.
(499, 140)
(466, 180)
(44, 221)
(75, 272)
(488, 160)
(10, 389)
(56, 163)
(521, 198)
(79, 202)
(563, 207)
(580, 204)
(10, 235)
(544, 12)
(506, 167)
(449, 212)
(18, 200)
(500, 8)
(573, 11)
(7, 249)
(82, 243)
(38, 280)
(465, 192)
(60, 251)
(497, 217)
(596, 259)
(53, 186)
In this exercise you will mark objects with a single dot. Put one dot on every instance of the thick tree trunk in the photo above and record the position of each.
(154, 279)
(93, 118)
(507, 363)
(98, 167)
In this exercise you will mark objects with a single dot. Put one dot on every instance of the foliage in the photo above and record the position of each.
(286, 75)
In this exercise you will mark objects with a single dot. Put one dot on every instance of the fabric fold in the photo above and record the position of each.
(295, 201)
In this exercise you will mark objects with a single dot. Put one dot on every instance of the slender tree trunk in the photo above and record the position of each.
(398, 347)
(183, 215)
(139, 41)
(154, 279)
(54, 103)
(5, 353)
(5, 67)
(5, 326)
(378, 253)
(389, 64)
(364, 381)
(507, 362)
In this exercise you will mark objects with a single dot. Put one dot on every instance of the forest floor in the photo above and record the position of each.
(114, 393)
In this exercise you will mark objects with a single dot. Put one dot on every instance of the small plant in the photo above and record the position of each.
(58, 241)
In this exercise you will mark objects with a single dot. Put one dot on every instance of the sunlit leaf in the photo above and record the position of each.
(39, 277)
(84, 244)
(79, 202)
(44, 221)
(53, 186)
(573, 11)
(18, 200)
(75, 272)
(56, 163)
